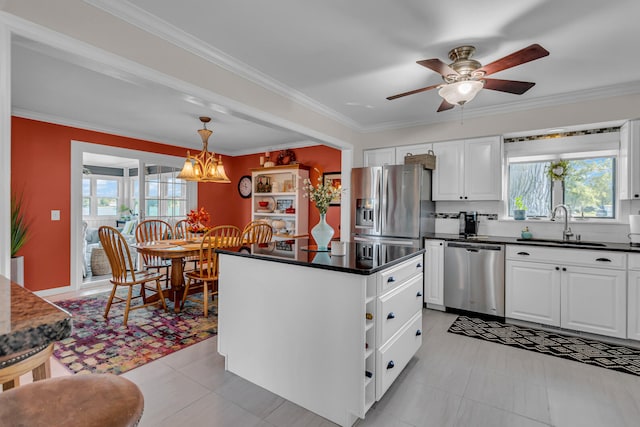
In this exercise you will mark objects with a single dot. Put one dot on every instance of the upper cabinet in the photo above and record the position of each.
(379, 157)
(468, 169)
(630, 160)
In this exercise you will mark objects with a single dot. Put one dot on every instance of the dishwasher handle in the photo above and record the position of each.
(475, 247)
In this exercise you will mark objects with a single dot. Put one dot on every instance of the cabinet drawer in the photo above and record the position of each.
(634, 261)
(561, 256)
(396, 275)
(396, 307)
(394, 356)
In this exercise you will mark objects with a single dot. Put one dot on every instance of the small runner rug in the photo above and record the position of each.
(97, 345)
(592, 352)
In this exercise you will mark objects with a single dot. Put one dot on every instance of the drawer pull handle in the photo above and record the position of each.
(419, 294)
(418, 332)
(419, 265)
(390, 365)
(603, 259)
(391, 315)
(557, 268)
(523, 253)
(391, 279)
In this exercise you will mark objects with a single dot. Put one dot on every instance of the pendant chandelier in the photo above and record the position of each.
(204, 167)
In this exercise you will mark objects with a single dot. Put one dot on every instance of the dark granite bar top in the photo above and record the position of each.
(359, 258)
(551, 243)
(28, 321)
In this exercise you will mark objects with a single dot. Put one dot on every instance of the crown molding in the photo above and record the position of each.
(144, 20)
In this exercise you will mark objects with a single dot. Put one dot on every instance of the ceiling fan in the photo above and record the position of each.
(465, 77)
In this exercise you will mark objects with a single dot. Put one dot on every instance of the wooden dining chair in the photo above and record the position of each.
(151, 230)
(181, 232)
(206, 274)
(257, 233)
(123, 273)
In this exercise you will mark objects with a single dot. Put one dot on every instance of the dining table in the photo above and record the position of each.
(177, 251)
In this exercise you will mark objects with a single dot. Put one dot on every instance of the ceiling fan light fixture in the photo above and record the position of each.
(461, 92)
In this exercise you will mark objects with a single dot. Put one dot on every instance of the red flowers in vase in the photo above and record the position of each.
(198, 221)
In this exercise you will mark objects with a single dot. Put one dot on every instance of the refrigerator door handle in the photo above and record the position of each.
(382, 205)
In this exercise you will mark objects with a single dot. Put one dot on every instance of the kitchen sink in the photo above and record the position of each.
(563, 242)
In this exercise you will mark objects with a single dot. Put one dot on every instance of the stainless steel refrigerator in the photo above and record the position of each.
(392, 204)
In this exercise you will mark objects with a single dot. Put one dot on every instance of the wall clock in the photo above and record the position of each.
(244, 186)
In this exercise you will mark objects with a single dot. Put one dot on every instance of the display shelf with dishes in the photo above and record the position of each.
(278, 200)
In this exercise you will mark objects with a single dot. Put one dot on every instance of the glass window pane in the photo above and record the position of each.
(107, 206)
(589, 188)
(529, 181)
(106, 188)
(86, 206)
(86, 187)
(152, 207)
(153, 189)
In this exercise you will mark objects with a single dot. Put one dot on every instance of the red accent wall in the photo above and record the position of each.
(41, 172)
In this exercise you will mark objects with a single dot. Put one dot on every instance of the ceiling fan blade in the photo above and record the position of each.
(445, 106)
(438, 66)
(529, 53)
(424, 89)
(509, 86)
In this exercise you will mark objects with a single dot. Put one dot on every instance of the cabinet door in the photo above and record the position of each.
(483, 169)
(433, 272)
(633, 305)
(448, 177)
(630, 160)
(594, 300)
(379, 157)
(408, 150)
(532, 292)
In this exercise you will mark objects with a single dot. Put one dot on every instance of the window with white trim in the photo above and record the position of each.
(165, 194)
(589, 189)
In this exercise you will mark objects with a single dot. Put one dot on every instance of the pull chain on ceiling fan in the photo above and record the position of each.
(465, 77)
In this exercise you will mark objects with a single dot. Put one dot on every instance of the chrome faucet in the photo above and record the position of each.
(566, 233)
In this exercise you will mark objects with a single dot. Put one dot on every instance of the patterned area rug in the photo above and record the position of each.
(97, 345)
(610, 356)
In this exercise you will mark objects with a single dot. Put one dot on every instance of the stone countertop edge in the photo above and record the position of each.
(609, 246)
(339, 268)
(34, 322)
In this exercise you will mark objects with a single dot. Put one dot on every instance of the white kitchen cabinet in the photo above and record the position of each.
(630, 160)
(593, 300)
(434, 274)
(633, 297)
(468, 169)
(576, 289)
(532, 292)
(411, 150)
(379, 157)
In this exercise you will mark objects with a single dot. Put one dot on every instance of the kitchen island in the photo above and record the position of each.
(329, 333)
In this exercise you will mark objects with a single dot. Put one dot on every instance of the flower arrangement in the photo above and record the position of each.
(321, 194)
(198, 220)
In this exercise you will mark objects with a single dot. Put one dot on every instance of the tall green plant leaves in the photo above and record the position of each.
(19, 226)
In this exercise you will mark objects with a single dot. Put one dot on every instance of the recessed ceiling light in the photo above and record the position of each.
(556, 130)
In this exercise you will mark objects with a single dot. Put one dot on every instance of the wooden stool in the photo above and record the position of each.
(34, 360)
(91, 400)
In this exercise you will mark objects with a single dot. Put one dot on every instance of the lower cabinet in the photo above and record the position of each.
(434, 274)
(633, 297)
(562, 287)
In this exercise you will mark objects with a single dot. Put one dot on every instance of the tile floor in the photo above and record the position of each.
(452, 381)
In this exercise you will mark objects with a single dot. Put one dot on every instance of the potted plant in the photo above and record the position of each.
(19, 236)
(520, 211)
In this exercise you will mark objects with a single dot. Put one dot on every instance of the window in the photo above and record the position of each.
(588, 190)
(107, 197)
(86, 197)
(165, 195)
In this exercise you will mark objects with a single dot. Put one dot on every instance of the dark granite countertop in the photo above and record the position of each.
(359, 258)
(591, 245)
(28, 321)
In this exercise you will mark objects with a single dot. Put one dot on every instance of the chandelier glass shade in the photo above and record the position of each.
(459, 93)
(204, 166)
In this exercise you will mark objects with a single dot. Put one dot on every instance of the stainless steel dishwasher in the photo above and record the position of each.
(474, 277)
